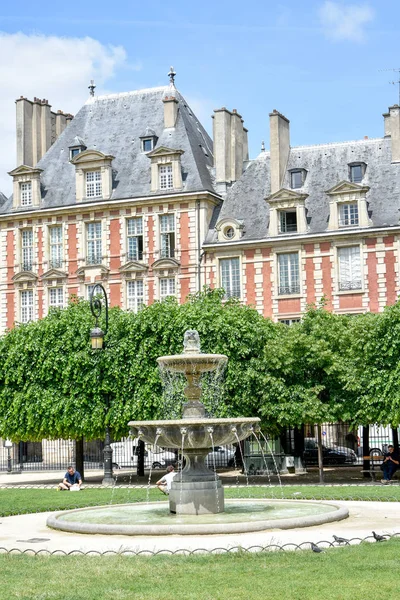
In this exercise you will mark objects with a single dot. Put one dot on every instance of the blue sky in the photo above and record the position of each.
(319, 62)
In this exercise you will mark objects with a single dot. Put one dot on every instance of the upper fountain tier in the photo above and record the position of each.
(197, 430)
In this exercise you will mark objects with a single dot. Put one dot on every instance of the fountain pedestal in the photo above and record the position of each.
(196, 490)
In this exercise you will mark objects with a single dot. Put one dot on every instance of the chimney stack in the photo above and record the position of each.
(230, 146)
(170, 110)
(36, 129)
(279, 148)
(392, 130)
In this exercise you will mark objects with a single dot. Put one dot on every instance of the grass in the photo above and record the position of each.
(16, 501)
(368, 571)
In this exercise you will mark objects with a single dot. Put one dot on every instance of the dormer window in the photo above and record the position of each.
(93, 184)
(297, 178)
(93, 175)
(287, 221)
(229, 230)
(356, 172)
(348, 214)
(76, 148)
(147, 144)
(148, 140)
(26, 193)
(166, 177)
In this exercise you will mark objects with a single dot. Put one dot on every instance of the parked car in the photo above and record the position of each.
(351, 456)
(331, 456)
(221, 456)
(125, 454)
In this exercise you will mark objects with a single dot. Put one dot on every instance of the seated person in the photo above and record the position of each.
(390, 464)
(71, 478)
(164, 484)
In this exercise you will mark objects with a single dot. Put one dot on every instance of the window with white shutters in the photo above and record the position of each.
(26, 311)
(56, 297)
(167, 287)
(135, 295)
(349, 268)
(27, 249)
(289, 277)
(56, 247)
(230, 277)
(134, 232)
(94, 245)
(167, 232)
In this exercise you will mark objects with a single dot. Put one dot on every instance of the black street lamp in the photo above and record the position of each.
(97, 340)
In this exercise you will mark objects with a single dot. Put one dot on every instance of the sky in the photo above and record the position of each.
(325, 64)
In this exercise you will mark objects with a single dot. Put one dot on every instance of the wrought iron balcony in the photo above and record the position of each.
(56, 263)
(94, 259)
(27, 266)
(289, 289)
(355, 284)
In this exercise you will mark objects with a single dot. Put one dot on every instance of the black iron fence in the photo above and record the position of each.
(342, 446)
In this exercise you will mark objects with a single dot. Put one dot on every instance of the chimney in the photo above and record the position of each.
(36, 129)
(230, 146)
(392, 130)
(170, 110)
(279, 148)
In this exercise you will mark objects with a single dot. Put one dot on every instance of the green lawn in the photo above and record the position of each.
(368, 571)
(14, 501)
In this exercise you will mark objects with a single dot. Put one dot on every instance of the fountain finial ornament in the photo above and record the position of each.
(191, 342)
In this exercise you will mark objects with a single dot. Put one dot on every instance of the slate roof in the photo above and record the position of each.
(326, 165)
(113, 125)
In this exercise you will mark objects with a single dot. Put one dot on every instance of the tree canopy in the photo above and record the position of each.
(324, 369)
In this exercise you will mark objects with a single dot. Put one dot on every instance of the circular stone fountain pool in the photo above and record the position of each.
(154, 519)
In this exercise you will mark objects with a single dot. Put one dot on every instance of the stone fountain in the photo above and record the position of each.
(196, 500)
(196, 489)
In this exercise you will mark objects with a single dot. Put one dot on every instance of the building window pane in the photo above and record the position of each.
(356, 173)
(56, 297)
(135, 295)
(56, 247)
(147, 145)
(166, 178)
(167, 231)
(289, 322)
(26, 306)
(287, 221)
(26, 193)
(93, 184)
(289, 278)
(94, 247)
(349, 268)
(296, 179)
(135, 238)
(230, 277)
(167, 287)
(348, 215)
(27, 249)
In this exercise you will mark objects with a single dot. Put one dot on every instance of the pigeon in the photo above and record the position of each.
(379, 538)
(315, 548)
(340, 540)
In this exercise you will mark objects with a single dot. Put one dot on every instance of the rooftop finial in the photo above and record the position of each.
(92, 87)
(262, 146)
(171, 76)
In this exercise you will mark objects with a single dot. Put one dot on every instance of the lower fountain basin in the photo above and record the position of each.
(240, 516)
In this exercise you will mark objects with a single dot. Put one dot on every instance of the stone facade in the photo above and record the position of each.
(132, 193)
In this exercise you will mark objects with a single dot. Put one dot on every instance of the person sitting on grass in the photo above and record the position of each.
(390, 464)
(164, 484)
(71, 478)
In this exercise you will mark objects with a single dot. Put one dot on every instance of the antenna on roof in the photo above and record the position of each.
(172, 75)
(91, 87)
(394, 82)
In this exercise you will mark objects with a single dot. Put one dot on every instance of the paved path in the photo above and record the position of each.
(22, 532)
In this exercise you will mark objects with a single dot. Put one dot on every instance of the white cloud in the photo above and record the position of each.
(56, 68)
(345, 21)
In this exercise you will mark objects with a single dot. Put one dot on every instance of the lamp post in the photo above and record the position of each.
(8, 444)
(98, 297)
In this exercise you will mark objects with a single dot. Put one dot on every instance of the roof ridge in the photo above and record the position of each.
(93, 99)
(345, 143)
